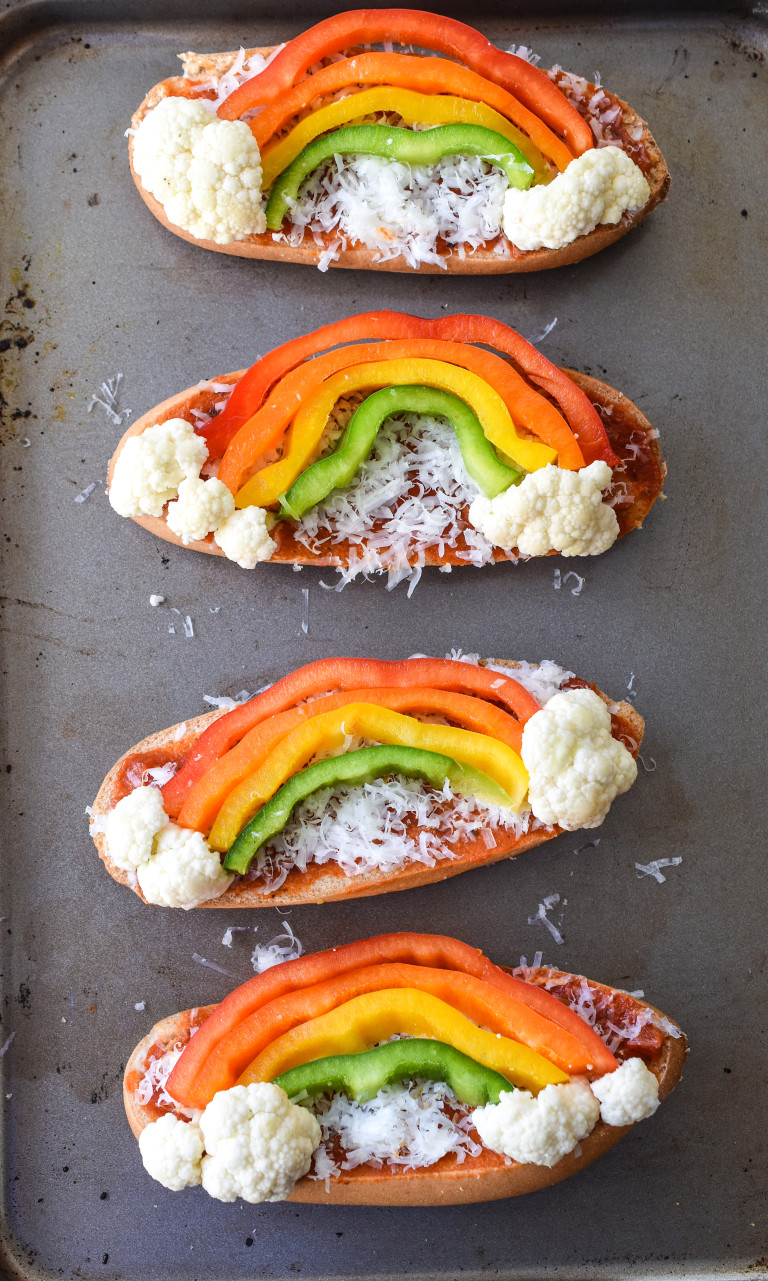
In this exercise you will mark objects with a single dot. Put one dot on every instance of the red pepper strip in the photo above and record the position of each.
(342, 673)
(431, 950)
(205, 800)
(251, 390)
(262, 432)
(426, 75)
(425, 31)
(480, 1001)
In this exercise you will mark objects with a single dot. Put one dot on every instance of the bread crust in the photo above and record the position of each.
(328, 884)
(484, 261)
(291, 552)
(487, 1178)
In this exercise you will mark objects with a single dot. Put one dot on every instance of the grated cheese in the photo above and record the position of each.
(405, 1126)
(548, 903)
(409, 497)
(283, 947)
(395, 208)
(654, 868)
(365, 829)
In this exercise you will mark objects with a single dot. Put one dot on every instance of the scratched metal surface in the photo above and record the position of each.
(673, 316)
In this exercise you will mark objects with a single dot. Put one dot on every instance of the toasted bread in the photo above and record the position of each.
(497, 258)
(625, 421)
(487, 1177)
(328, 883)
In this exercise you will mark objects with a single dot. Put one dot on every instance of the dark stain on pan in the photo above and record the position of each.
(15, 336)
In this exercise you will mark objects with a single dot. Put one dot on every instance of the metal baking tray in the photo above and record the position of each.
(674, 316)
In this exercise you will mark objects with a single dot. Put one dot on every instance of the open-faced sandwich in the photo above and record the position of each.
(353, 145)
(400, 1070)
(387, 442)
(352, 777)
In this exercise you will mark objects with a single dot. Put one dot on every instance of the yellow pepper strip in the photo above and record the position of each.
(329, 731)
(267, 486)
(376, 1016)
(421, 108)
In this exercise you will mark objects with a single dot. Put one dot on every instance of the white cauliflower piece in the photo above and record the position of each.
(257, 1143)
(183, 870)
(172, 1152)
(199, 508)
(629, 1094)
(597, 187)
(205, 172)
(151, 467)
(244, 537)
(552, 509)
(132, 826)
(541, 1130)
(575, 766)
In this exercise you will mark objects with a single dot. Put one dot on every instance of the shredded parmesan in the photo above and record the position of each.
(395, 208)
(283, 947)
(654, 868)
(409, 497)
(549, 902)
(370, 828)
(405, 1126)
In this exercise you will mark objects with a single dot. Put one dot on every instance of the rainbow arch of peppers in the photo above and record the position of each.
(512, 399)
(311, 1024)
(477, 87)
(252, 766)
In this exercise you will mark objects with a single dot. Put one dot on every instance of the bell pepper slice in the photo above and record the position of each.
(338, 469)
(424, 75)
(358, 1024)
(361, 1076)
(266, 427)
(498, 1010)
(206, 797)
(583, 420)
(342, 674)
(413, 108)
(422, 147)
(330, 731)
(350, 770)
(268, 485)
(424, 31)
(210, 1059)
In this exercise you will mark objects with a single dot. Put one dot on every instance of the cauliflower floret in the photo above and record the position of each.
(243, 537)
(205, 172)
(541, 1130)
(597, 187)
(183, 870)
(151, 467)
(629, 1094)
(257, 1143)
(172, 1152)
(199, 508)
(132, 826)
(575, 766)
(552, 509)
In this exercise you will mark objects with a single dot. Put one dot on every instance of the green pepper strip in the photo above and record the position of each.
(356, 768)
(414, 147)
(361, 1076)
(337, 469)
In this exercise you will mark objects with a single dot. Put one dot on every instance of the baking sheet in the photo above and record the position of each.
(674, 316)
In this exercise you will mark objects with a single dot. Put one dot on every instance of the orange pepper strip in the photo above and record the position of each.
(424, 31)
(262, 432)
(342, 673)
(426, 75)
(251, 390)
(499, 1011)
(206, 798)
